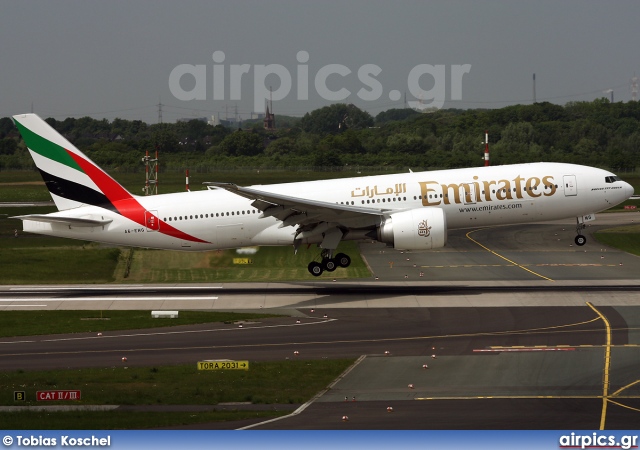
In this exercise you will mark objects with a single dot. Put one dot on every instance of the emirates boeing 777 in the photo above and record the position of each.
(408, 211)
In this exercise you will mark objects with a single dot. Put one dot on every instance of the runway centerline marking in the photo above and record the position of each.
(503, 257)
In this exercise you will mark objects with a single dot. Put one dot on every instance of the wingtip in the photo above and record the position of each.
(220, 184)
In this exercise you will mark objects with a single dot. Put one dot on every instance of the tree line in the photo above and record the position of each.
(597, 133)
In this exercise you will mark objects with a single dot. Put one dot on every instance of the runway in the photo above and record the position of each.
(535, 264)
(300, 296)
(527, 332)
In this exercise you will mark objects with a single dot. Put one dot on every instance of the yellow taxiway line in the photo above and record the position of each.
(503, 257)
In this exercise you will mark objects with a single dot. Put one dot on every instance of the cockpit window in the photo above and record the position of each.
(612, 179)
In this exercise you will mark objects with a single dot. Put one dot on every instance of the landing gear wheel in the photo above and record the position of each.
(343, 260)
(315, 268)
(580, 240)
(329, 264)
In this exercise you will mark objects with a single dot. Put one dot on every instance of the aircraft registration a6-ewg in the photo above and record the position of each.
(408, 211)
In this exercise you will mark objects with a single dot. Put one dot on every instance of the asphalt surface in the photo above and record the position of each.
(494, 367)
(518, 328)
(530, 252)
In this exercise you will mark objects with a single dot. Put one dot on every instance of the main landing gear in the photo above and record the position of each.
(328, 263)
(580, 240)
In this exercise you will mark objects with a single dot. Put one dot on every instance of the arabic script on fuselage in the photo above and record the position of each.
(373, 191)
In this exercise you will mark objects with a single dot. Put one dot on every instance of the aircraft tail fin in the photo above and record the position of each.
(72, 178)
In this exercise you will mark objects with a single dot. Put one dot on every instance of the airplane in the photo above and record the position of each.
(406, 211)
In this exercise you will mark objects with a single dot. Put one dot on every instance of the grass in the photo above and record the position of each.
(22, 186)
(268, 264)
(28, 240)
(292, 382)
(43, 260)
(31, 323)
(37, 259)
(24, 193)
(47, 260)
(266, 382)
(623, 238)
(19, 176)
(58, 265)
(33, 258)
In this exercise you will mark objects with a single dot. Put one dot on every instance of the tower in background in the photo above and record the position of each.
(269, 117)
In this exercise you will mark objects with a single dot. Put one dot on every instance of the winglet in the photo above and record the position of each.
(223, 185)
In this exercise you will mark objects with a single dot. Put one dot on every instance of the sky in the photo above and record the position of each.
(72, 58)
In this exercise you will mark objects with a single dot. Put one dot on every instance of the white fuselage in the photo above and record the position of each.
(469, 197)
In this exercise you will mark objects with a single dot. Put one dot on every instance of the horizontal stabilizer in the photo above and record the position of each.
(71, 221)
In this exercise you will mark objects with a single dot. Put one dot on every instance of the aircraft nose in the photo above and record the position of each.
(628, 189)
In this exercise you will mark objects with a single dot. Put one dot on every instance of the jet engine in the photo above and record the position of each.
(415, 229)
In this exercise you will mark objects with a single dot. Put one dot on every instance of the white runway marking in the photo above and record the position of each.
(114, 288)
(32, 305)
(165, 333)
(113, 299)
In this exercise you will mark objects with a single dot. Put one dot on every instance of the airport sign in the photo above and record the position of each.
(223, 365)
(242, 261)
(42, 396)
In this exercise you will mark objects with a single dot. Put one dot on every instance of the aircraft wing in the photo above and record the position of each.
(303, 211)
(70, 221)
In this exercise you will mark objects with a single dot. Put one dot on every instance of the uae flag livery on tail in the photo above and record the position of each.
(74, 180)
(71, 177)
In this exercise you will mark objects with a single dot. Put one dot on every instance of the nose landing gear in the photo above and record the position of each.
(580, 240)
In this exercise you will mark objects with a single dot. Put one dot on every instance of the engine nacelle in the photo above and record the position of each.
(416, 229)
